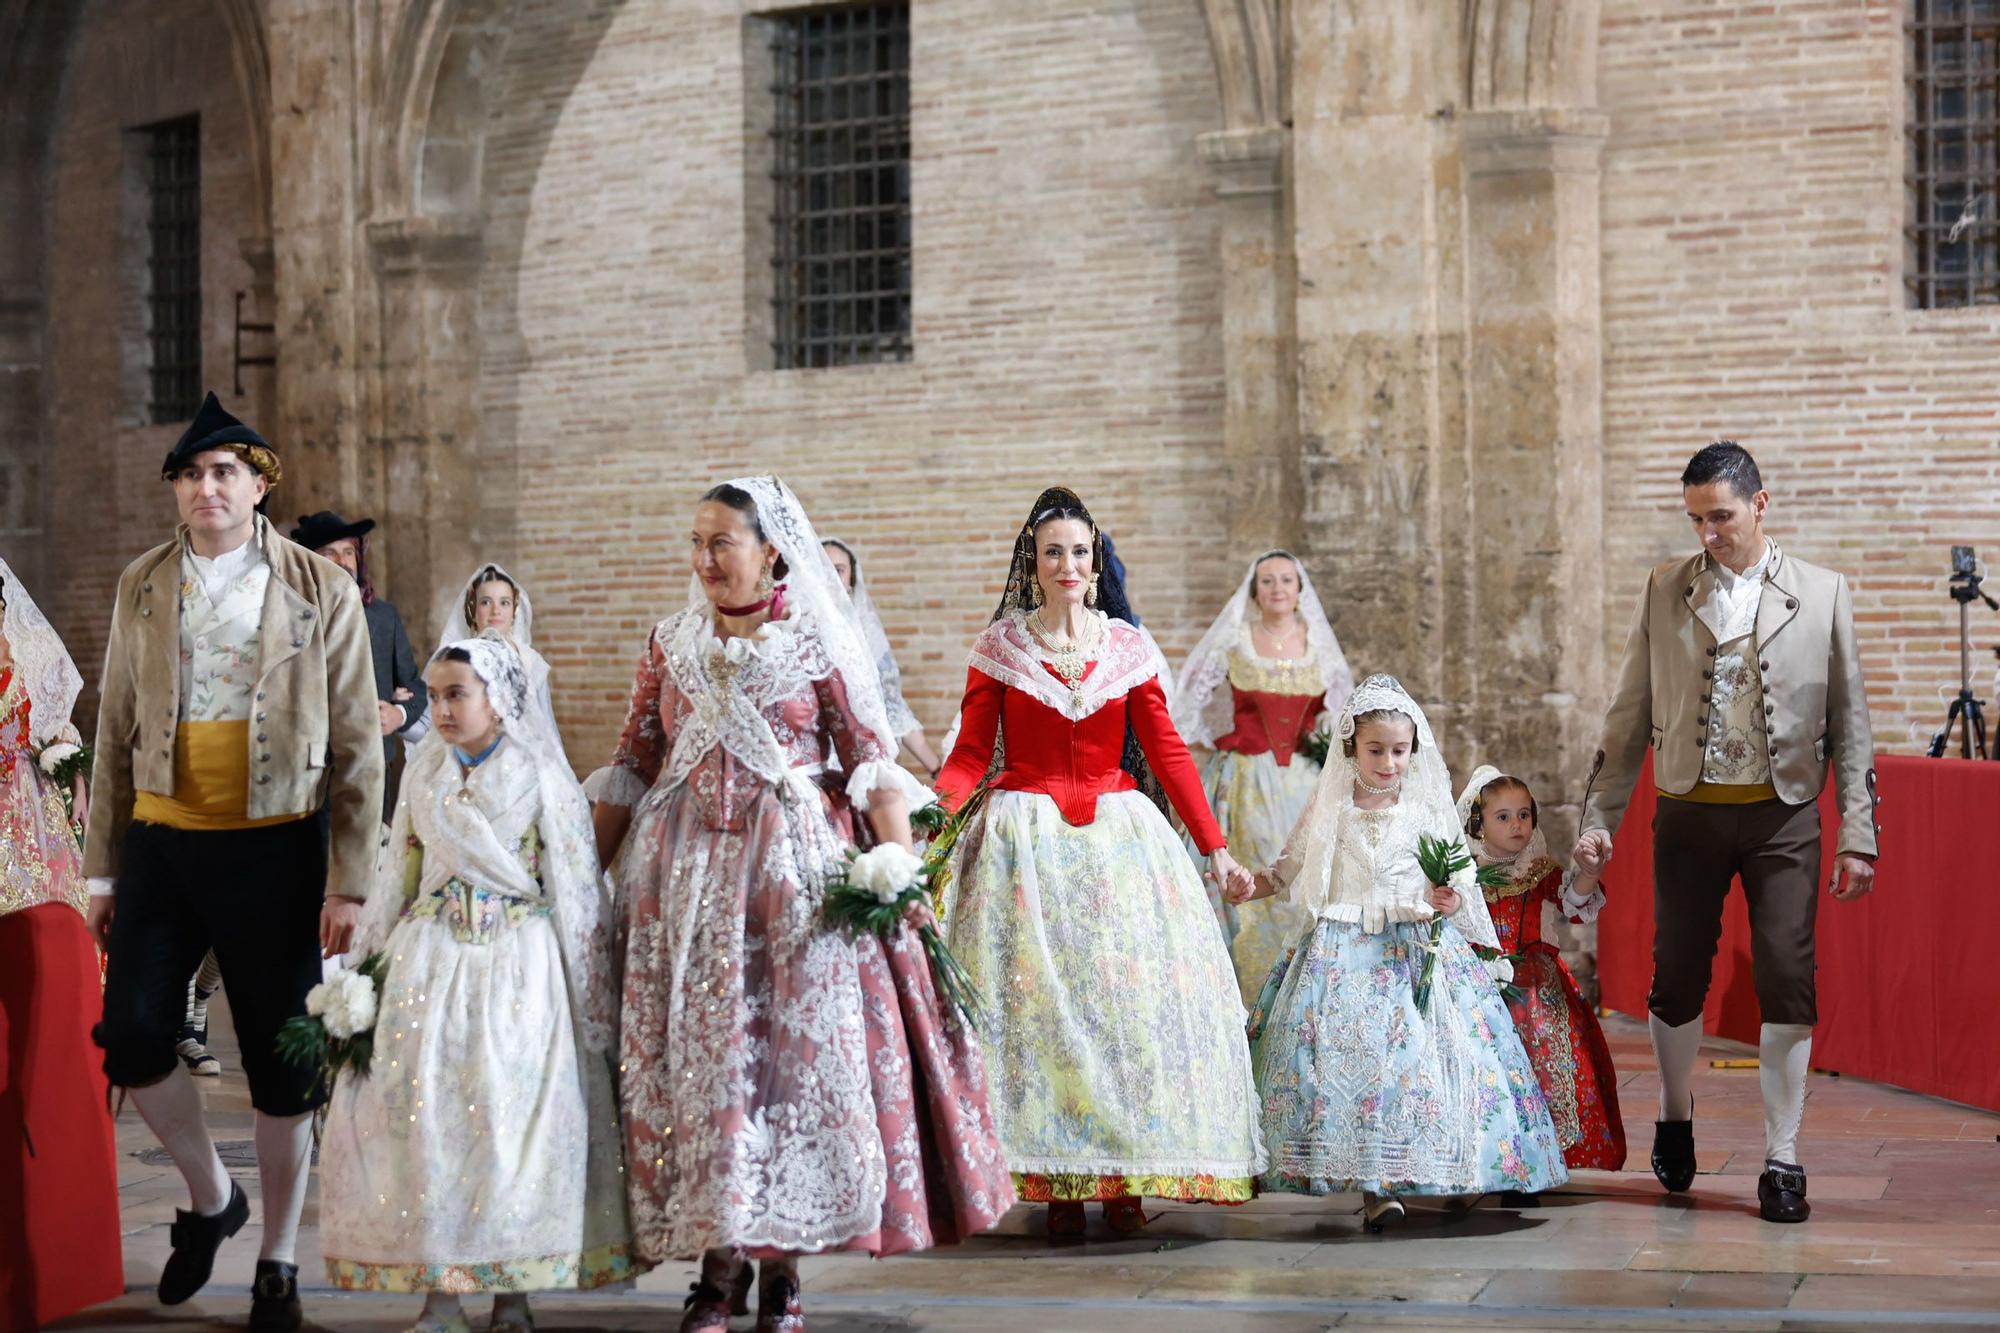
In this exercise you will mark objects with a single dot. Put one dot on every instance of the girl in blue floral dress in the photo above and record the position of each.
(1367, 1078)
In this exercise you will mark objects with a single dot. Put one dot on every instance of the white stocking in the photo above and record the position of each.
(1784, 1054)
(1676, 1049)
(284, 1154)
(171, 1108)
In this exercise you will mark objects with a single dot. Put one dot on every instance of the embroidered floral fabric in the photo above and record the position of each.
(773, 1069)
(1119, 1051)
(39, 859)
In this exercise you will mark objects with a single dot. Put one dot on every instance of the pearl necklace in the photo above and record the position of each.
(1372, 789)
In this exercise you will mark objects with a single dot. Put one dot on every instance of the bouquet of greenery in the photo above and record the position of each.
(1316, 747)
(1441, 858)
(337, 1030)
(878, 888)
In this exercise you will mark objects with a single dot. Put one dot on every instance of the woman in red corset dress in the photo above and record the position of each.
(1564, 1041)
(59, 1246)
(1286, 679)
(1117, 1061)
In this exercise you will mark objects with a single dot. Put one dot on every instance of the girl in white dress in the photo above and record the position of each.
(482, 1150)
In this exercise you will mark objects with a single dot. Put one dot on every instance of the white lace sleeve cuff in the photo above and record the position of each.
(886, 774)
(614, 785)
(101, 888)
(1585, 909)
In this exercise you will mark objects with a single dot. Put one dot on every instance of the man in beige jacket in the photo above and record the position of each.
(238, 698)
(1742, 678)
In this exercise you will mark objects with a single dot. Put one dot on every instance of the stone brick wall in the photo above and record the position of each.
(1066, 308)
(1753, 257)
(136, 62)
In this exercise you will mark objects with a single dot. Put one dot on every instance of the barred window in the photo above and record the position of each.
(1954, 210)
(840, 171)
(173, 293)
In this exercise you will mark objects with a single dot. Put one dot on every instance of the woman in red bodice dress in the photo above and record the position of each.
(1266, 677)
(1116, 1053)
(1564, 1040)
(59, 1248)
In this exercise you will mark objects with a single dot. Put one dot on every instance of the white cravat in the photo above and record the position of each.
(1731, 612)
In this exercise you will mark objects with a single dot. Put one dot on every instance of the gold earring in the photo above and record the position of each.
(764, 583)
(1034, 593)
(1090, 593)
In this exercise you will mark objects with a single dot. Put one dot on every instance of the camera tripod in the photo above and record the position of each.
(1966, 710)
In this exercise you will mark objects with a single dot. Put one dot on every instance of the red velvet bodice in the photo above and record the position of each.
(1267, 722)
(1073, 763)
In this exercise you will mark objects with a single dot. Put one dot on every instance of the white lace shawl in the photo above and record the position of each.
(1126, 658)
(470, 822)
(1309, 870)
(1202, 708)
(43, 666)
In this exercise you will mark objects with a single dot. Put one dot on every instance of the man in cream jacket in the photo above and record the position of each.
(1742, 677)
(238, 697)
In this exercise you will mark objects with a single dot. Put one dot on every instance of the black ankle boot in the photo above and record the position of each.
(1781, 1193)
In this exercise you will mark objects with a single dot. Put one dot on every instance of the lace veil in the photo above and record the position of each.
(568, 868)
(1475, 786)
(1201, 706)
(43, 664)
(1307, 862)
(456, 614)
(901, 719)
(813, 587)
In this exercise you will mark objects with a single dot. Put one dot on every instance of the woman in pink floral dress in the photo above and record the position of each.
(787, 1088)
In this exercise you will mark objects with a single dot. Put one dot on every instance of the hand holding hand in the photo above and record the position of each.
(1853, 877)
(1248, 888)
(1444, 899)
(1593, 853)
(399, 695)
(390, 716)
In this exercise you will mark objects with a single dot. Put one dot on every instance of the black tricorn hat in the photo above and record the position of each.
(214, 428)
(317, 531)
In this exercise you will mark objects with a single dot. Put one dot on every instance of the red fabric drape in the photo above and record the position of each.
(59, 1249)
(1909, 978)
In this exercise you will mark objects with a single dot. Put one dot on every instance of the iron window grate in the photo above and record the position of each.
(1954, 174)
(841, 186)
(173, 298)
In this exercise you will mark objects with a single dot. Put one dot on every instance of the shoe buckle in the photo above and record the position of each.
(1790, 1180)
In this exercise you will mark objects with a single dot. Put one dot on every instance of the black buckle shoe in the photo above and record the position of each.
(1673, 1153)
(1781, 1193)
(196, 1239)
(274, 1298)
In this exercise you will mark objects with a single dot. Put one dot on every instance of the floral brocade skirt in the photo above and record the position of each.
(1571, 1058)
(785, 1087)
(1359, 1090)
(39, 859)
(1257, 801)
(1116, 1047)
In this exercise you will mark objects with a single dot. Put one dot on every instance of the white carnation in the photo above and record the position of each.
(345, 1005)
(54, 756)
(886, 872)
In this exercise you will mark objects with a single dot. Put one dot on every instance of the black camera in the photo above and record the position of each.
(1963, 563)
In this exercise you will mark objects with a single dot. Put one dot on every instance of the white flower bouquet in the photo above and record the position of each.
(881, 886)
(337, 1030)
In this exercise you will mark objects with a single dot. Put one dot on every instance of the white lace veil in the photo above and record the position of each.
(814, 588)
(568, 869)
(1201, 706)
(43, 664)
(458, 626)
(900, 717)
(1482, 777)
(1307, 862)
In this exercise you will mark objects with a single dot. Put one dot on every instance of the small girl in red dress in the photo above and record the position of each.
(1565, 1043)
